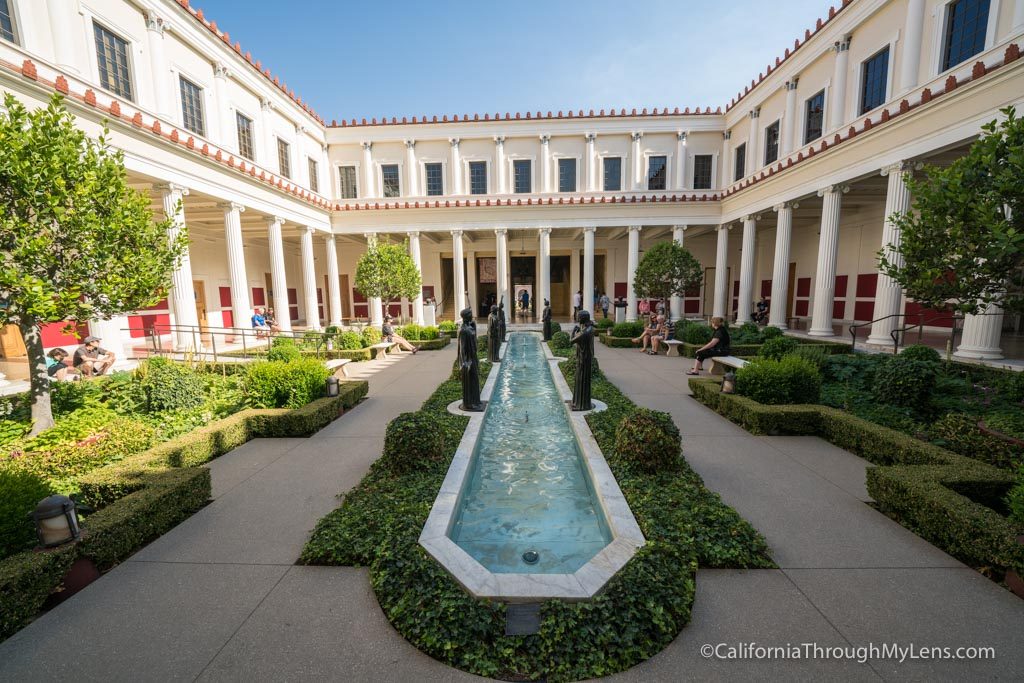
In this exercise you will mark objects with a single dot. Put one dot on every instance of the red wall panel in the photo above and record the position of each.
(142, 324)
(864, 311)
(259, 298)
(800, 307)
(867, 285)
(803, 287)
(225, 297)
(620, 290)
(766, 288)
(61, 334)
(842, 281)
(838, 310)
(691, 305)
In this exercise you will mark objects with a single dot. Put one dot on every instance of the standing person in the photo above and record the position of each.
(524, 300)
(718, 346)
(605, 304)
(645, 307)
(577, 303)
(389, 335)
(90, 359)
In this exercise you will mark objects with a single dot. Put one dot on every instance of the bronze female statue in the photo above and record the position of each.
(501, 320)
(583, 339)
(469, 364)
(493, 336)
(546, 319)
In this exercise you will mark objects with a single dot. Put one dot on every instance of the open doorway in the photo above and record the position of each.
(523, 281)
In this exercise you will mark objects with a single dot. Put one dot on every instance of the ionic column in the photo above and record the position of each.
(501, 240)
(753, 160)
(375, 304)
(837, 114)
(278, 279)
(747, 258)
(183, 295)
(545, 264)
(545, 163)
(309, 280)
(333, 281)
(456, 167)
(636, 183)
(222, 117)
(499, 161)
(678, 236)
(681, 160)
(588, 270)
(720, 307)
(591, 170)
(459, 273)
(780, 267)
(910, 52)
(63, 42)
(789, 119)
(411, 170)
(414, 253)
(241, 309)
(157, 60)
(828, 246)
(369, 189)
(981, 335)
(888, 294)
(632, 262)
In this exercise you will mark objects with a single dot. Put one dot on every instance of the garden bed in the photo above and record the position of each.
(639, 612)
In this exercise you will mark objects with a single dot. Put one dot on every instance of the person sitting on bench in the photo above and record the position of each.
(92, 360)
(389, 335)
(718, 346)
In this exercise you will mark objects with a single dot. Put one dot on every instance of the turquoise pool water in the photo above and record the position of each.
(528, 488)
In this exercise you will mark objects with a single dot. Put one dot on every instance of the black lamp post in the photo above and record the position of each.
(56, 521)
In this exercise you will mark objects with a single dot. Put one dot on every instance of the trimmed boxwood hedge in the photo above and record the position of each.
(144, 496)
(944, 497)
(431, 344)
(616, 342)
(741, 350)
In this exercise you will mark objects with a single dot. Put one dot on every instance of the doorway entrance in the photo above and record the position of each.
(523, 279)
(561, 297)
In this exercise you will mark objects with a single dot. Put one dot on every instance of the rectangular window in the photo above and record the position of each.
(7, 22)
(112, 60)
(874, 74)
(245, 136)
(434, 176)
(566, 175)
(389, 180)
(347, 175)
(814, 117)
(612, 174)
(771, 143)
(284, 162)
(739, 165)
(966, 26)
(314, 175)
(521, 175)
(192, 106)
(702, 172)
(478, 177)
(656, 172)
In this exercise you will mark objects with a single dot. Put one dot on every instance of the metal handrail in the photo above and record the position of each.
(154, 332)
(900, 333)
(856, 326)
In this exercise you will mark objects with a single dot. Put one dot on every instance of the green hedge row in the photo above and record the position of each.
(944, 497)
(740, 350)
(431, 344)
(145, 495)
(616, 342)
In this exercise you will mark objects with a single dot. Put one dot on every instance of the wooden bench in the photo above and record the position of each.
(381, 349)
(720, 363)
(336, 364)
(673, 347)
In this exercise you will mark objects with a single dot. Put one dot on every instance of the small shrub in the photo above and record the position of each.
(627, 330)
(555, 327)
(429, 332)
(604, 324)
(921, 352)
(170, 386)
(770, 333)
(283, 349)
(412, 442)
(274, 384)
(959, 433)
(20, 491)
(790, 380)
(350, 341)
(777, 347)
(816, 355)
(1014, 387)
(1015, 500)
(371, 336)
(697, 333)
(561, 340)
(447, 326)
(412, 332)
(747, 333)
(649, 440)
(905, 382)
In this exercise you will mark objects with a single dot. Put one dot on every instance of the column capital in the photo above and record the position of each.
(410, 144)
(371, 238)
(454, 142)
(755, 112)
(751, 218)
(266, 104)
(898, 167)
(456, 233)
(684, 228)
(590, 229)
(590, 137)
(545, 139)
(413, 234)
(843, 44)
(155, 22)
(786, 205)
(727, 135)
(501, 231)
(636, 135)
(274, 220)
(367, 146)
(544, 231)
(838, 188)
(232, 206)
(634, 228)
(499, 140)
(300, 129)
(220, 70)
(171, 188)
(329, 237)
(308, 229)
(792, 83)
(681, 136)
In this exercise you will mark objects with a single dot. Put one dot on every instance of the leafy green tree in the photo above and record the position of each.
(963, 242)
(666, 270)
(76, 242)
(386, 271)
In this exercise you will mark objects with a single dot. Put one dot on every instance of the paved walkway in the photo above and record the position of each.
(217, 598)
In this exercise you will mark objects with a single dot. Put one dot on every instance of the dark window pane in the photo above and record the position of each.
(566, 175)
(6, 22)
(771, 143)
(612, 174)
(814, 118)
(112, 60)
(521, 175)
(478, 177)
(702, 172)
(966, 26)
(740, 163)
(874, 74)
(245, 139)
(656, 172)
(284, 162)
(192, 107)
(314, 176)
(389, 180)
(348, 182)
(434, 179)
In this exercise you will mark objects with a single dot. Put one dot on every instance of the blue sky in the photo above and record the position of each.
(401, 58)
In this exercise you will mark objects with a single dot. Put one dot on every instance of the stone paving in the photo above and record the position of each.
(218, 597)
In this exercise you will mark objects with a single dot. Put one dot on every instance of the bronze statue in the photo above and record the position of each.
(501, 320)
(583, 339)
(469, 364)
(546, 319)
(493, 336)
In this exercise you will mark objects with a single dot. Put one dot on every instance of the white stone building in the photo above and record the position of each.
(783, 193)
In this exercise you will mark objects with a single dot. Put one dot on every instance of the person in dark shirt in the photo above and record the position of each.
(389, 335)
(718, 346)
(90, 359)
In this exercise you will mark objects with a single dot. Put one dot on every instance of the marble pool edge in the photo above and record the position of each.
(585, 582)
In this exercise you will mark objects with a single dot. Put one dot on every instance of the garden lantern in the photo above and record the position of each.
(332, 387)
(56, 521)
(729, 383)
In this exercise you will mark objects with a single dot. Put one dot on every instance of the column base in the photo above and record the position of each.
(879, 341)
(821, 333)
(979, 353)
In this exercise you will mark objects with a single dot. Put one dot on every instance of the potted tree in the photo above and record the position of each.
(387, 272)
(667, 269)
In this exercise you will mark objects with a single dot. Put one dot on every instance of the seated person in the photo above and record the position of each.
(660, 335)
(90, 359)
(271, 320)
(718, 346)
(388, 334)
(259, 323)
(761, 312)
(58, 369)
(645, 336)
